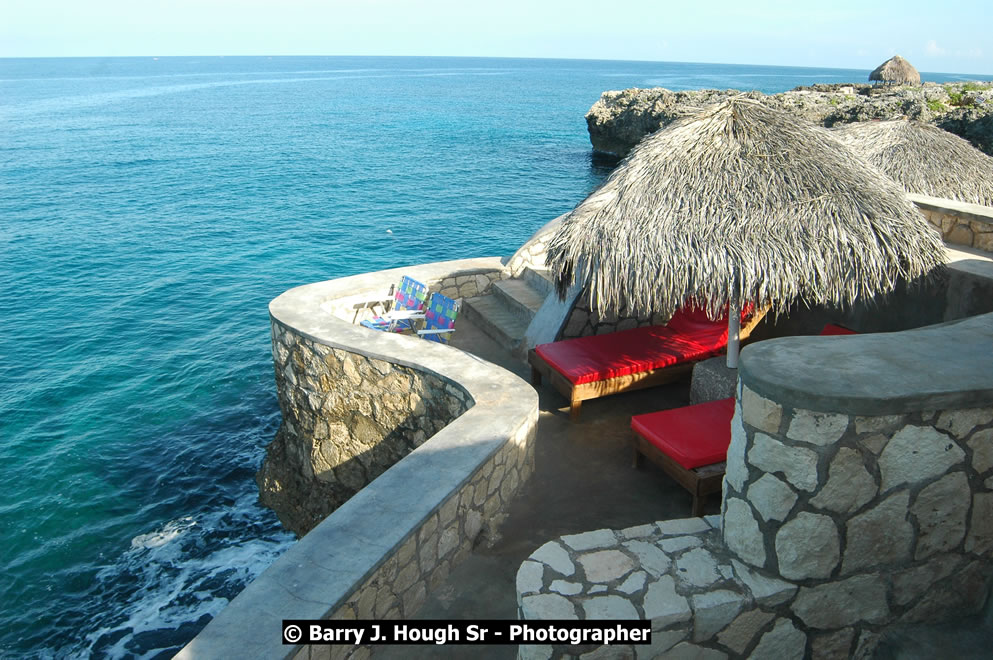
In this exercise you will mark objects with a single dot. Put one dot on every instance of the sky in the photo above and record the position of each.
(941, 37)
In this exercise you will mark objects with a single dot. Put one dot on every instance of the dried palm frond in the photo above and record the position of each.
(924, 159)
(896, 70)
(741, 203)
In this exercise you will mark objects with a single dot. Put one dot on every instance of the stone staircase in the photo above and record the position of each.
(505, 313)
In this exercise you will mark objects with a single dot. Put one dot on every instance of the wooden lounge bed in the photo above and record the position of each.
(690, 443)
(600, 365)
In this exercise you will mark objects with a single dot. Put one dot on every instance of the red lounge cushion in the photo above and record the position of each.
(599, 357)
(832, 329)
(693, 436)
(688, 336)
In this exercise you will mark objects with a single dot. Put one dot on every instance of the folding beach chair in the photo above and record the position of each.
(439, 318)
(408, 306)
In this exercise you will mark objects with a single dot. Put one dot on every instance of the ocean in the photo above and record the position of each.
(150, 208)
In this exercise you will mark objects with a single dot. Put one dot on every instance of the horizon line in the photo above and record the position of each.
(478, 57)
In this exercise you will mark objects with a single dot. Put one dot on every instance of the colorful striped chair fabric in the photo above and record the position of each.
(408, 302)
(439, 318)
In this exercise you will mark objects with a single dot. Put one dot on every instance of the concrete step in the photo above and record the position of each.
(540, 280)
(494, 317)
(519, 297)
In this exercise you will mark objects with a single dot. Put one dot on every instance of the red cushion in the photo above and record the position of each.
(693, 436)
(832, 329)
(688, 336)
(599, 357)
(689, 320)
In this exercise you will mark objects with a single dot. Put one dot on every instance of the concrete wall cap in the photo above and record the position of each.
(952, 207)
(306, 581)
(945, 366)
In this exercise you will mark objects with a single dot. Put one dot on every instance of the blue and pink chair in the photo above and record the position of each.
(439, 318)
(408, 306)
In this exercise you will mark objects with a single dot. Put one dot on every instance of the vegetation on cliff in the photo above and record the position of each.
(620, 119)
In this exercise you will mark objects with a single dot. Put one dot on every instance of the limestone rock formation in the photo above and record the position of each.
(619, 119)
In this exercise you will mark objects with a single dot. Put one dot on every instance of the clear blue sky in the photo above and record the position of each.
(951, 36)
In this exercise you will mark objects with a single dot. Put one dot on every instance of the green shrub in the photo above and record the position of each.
(958, 99)
(934, 105)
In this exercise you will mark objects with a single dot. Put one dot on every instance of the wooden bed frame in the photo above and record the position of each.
(701, 481)
(576, 394)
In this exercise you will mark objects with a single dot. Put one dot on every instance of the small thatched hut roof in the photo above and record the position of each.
(741, 203)
(896, 70)
(924, 159)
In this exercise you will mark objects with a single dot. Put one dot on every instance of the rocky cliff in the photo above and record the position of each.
(620, 119)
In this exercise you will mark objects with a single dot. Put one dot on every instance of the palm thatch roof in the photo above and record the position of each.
(741, 203)
(896, 70)
(923, 158)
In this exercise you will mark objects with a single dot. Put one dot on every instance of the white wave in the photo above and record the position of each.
(172, 530)
(177, 575)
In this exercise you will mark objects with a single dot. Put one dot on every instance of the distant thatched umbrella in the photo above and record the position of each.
(896, 70)
(924, 159)
(741, 203)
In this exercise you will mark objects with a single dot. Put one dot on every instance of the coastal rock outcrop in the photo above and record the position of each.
(619, 119)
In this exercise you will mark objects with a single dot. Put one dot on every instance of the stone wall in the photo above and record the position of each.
(346, 418)
(459, 429)
(969, 225)
(879, 518)
(467, 285)
(584, 321)
(825, 540)
(678, 574)
(424, 560)
(532, 253)
(858, 495)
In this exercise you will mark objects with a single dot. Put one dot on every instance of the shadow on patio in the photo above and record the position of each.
(583, 480)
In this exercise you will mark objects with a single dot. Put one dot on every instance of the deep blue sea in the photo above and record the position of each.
(149, 211)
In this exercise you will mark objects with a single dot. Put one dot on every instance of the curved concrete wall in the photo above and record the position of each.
(378, 553)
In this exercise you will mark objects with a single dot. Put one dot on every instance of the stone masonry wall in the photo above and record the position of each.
(678, 574)
(456, 433)
(421, 563)
(833, 527)
(346, 418)
(959, 230)
(532, 253)
(583, 321)
(466, 285)
(879, 519)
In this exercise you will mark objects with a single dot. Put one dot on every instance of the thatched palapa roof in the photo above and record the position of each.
(896, 70)
(746, 194)
(924, 159)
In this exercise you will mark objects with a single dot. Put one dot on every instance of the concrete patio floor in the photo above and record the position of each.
(583, 480)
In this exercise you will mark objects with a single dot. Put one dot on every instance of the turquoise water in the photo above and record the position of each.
(150, 210)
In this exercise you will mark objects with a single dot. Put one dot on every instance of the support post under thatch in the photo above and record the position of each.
(734, 335)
